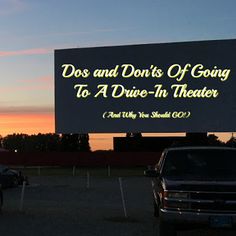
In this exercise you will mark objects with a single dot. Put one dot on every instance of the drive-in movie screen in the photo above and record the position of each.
(175, 87)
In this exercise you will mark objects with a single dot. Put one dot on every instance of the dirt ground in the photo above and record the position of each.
(64, 206)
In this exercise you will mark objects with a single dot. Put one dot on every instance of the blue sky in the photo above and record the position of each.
(30, 30)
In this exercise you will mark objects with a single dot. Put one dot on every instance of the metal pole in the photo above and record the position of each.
(122, 197)
(39, 171)
(22, 196)
(74, 170)
(88, 180)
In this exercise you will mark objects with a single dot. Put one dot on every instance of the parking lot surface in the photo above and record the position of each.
(64, 206)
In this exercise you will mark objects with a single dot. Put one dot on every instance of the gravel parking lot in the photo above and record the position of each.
(60, 205)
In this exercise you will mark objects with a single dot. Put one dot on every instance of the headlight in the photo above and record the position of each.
(178, 195)
(176, 200)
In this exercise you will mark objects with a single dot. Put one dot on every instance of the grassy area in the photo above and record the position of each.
(82, 171)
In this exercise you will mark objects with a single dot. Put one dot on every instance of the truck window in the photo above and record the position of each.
(201, 163)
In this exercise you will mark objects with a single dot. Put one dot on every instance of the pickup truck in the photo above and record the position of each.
(194, 186)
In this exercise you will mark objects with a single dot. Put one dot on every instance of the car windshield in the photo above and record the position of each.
(201, 163)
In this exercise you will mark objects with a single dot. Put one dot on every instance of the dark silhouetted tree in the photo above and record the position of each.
(231, 142)
(15, 142)
(84, 143)
(213, 140)
(46, 142)
(75, 143)
(1, 140)
(43, 143)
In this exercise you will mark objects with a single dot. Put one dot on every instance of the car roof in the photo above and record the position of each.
(200, 148)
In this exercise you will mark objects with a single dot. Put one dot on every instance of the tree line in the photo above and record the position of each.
(46, 142)
(80, 142)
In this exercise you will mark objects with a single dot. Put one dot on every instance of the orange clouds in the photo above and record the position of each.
(43, 122)
(26, 123)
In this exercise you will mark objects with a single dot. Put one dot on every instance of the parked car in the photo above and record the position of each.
(10, 177)
(194, 186)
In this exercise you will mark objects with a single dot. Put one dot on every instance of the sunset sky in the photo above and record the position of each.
(30, 30)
